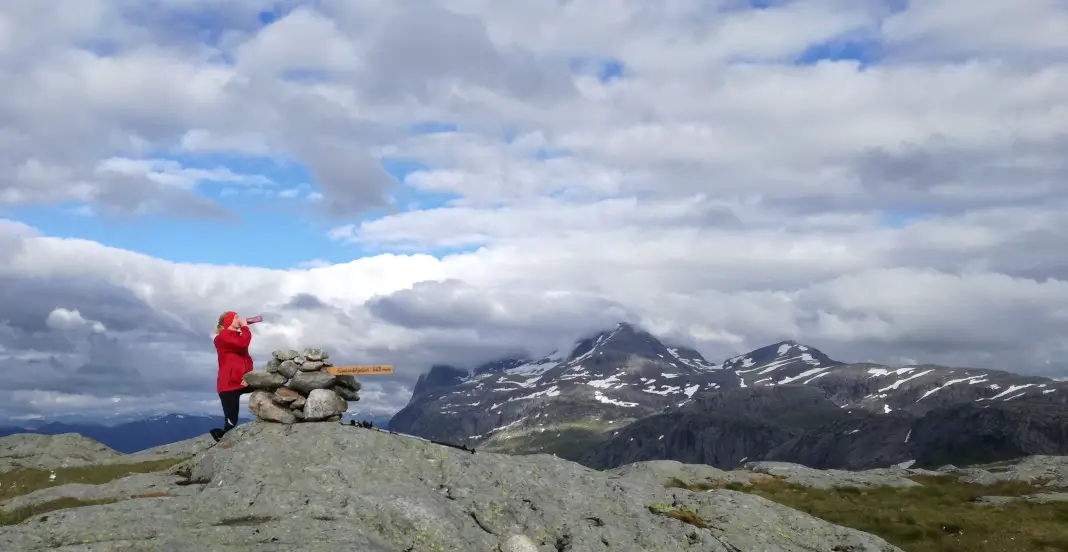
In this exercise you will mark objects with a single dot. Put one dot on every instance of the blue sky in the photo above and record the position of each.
(295, 239)
(289, 226)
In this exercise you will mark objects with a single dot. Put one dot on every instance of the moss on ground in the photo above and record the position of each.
(939, 516)
(19, 515)
(27, 480)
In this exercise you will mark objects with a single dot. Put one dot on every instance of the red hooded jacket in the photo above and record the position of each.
(234, 360)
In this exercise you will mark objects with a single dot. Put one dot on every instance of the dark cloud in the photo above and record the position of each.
(456, 304)
(136, 356)
(945, 175)
(464, 325)
(422, 48)
(27, 302)
(306, 301)
(132, 194)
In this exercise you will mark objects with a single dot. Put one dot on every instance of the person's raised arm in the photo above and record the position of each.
(236, 341)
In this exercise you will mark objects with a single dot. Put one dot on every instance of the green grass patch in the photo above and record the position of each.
(939, 516)
(19, 515)
(27, 480)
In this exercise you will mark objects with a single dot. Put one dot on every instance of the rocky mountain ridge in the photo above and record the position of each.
(618, 377)
(242, 494)
(358, 489)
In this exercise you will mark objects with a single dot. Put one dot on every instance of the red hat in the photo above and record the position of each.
(228, 318)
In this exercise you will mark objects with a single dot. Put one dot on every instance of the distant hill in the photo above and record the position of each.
(137, 435)
(130, 437)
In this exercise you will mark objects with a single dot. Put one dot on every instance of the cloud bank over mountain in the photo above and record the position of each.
(446, 182)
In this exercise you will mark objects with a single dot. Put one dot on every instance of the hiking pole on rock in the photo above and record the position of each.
(369, 425)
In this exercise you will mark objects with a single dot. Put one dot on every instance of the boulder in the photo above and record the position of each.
(284, 354)
(288, 368)
(264, 380)
(348, 381)
(346, 393)
(306, 382)
(316, 354)
(311, 366)
(286, 397)
(323, 404)
(261, 406)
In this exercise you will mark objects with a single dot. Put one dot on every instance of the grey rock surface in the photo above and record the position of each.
(664, 470)
(288, 368)
(519, 543)
(127, 487)
(305, 382)
(316, 354)
(1049, 471)
(28, 450)
(311, 366)
(660, 471)
(828, 479)
(179, 449)
(346, 393)
(328, 487)
(285, 354)
(285, 396)
(323, 404)
(264, 380)
(349, 381)
(261, 405)
(1036, 498)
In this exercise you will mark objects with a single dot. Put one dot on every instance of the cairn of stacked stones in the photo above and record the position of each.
(296, 387)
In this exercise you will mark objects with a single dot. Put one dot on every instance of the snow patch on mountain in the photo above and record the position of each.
(634, 370)
(970, 379)
(1011, 389)
(606, 400)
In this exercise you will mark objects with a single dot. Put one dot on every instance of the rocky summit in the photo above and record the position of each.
(331, 486)
(296, 387)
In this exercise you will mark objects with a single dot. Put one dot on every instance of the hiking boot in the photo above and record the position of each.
(216, 434)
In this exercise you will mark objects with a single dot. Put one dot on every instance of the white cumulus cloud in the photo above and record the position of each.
(883, 180)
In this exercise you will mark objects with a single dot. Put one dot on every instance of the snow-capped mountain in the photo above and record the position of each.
(617, 377)
(916, 389)
(613, 377)
(781, 363)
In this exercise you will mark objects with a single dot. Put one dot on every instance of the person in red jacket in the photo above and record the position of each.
(231, 343)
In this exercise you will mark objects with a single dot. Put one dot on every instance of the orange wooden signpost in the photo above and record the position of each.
(372, 370)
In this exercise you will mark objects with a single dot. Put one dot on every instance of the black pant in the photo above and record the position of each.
(231, 405)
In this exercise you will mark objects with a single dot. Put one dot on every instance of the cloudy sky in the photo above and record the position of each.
(418, 182)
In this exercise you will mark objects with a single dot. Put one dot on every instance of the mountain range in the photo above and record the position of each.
(132, 436)
(623, 396)
(137, 435)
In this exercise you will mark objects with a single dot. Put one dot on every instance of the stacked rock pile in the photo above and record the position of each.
(295, 387)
